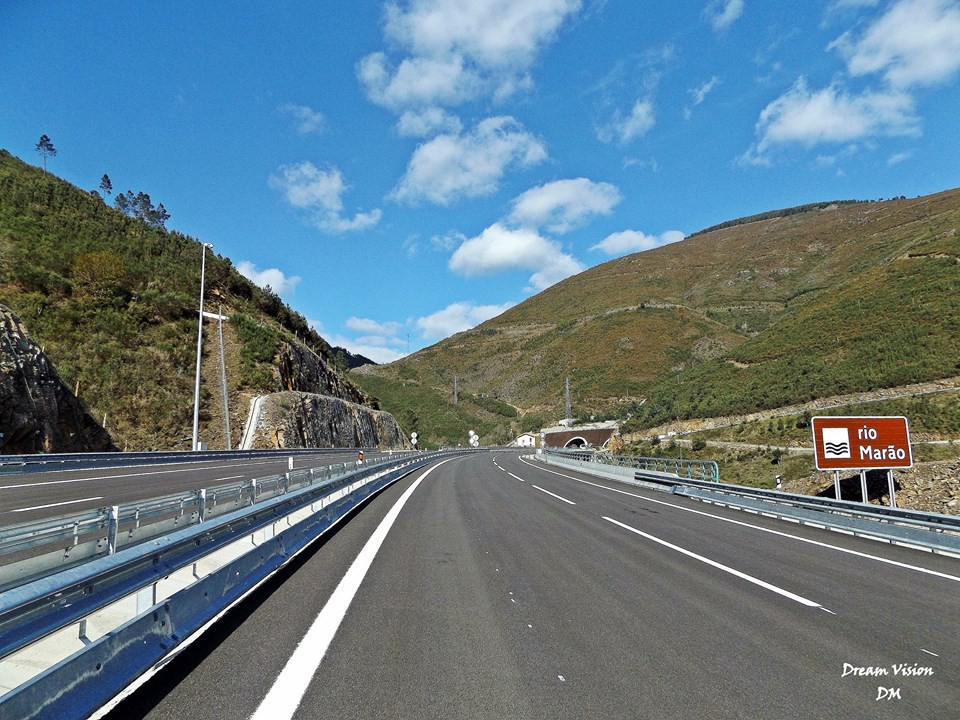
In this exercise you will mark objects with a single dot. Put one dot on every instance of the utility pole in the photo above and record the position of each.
(567, 397)
(456, 389)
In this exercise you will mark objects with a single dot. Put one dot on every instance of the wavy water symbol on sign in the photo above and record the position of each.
(836, 443)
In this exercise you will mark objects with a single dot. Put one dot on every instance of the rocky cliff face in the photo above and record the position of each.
(38, 413)
(304, 420)
(303, 371)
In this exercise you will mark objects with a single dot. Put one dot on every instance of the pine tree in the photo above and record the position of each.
(46, 149)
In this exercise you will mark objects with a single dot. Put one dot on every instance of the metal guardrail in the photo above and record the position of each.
(32, 550)
(706, 470)
(41, 462)
(926, 530)
(81, 682)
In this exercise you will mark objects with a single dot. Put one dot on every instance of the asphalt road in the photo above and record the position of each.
(505, 589)
(25, 497)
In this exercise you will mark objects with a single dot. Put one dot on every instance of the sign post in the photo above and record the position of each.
(862, 443)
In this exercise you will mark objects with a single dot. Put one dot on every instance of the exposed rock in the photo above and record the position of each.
(38, 413)
(306, 420)
(304, 371)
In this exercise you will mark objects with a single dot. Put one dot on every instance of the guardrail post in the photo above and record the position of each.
(253, 491)
(113, 527)
(201, 504)
(290, 463)
(286, 482)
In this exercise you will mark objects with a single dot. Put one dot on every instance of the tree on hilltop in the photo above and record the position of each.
(46, 149)
(140, 206)
(105, 185)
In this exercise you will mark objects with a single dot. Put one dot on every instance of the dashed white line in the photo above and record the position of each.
(720, 566)
(57, 504)
(568, 502)
(856, 553)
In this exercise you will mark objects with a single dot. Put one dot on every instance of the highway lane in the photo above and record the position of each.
(505, 589)
(25, 497)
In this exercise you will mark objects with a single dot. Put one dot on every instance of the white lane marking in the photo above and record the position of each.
(516, 477)
(568, 502)
(719, 566)
(57, 504)
(857, 553)
(292, 682)
(929, 653)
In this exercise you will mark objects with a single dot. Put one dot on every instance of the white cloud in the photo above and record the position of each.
(563, 205)
(721, 14)
(452, 166)
(308, 119)
(700, 93)
(626, 128)
(898, 158)
(499, 249)
(373, 348)
(373, 327)
(307, 187)
(459, 51)
(457, 317)
(429, 121)
(272, 277)
(630, 241)
(915, 43)
(830, 116)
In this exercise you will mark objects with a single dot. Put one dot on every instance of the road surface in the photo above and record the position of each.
(505, 589)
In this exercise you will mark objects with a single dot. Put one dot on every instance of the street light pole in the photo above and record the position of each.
(196, 391)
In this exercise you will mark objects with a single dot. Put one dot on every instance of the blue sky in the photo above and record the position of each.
(402, 171)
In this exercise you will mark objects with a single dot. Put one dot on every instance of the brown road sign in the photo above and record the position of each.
(861, 443)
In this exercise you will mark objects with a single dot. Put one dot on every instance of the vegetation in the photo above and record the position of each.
(772, 310)
(112, 297)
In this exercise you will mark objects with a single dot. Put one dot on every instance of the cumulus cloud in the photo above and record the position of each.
(831, 115)
(631, 241)
(563, 205)
(429, 121)
(319, 192)
(915, 43)
(457, 317)
(472, 164)
(500, 248)
(273, 278)
(308, 119)
(624, 128)
(721, 14)
(454, 52)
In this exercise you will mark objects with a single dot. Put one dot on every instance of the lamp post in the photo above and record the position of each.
(196, 391)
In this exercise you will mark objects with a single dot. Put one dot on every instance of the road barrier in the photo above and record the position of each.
(934, 532)
(102, 624)
(41, 462)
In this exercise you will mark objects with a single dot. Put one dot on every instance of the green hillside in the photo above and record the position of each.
(113, 300)
(799, 304)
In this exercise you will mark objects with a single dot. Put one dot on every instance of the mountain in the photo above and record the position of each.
(756, 313)
(112, 301)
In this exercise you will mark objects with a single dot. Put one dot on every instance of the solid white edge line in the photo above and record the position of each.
(856, 553)
(720, 566)
(569, 502)
(283, 699)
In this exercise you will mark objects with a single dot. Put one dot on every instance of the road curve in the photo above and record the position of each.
(507, 589)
